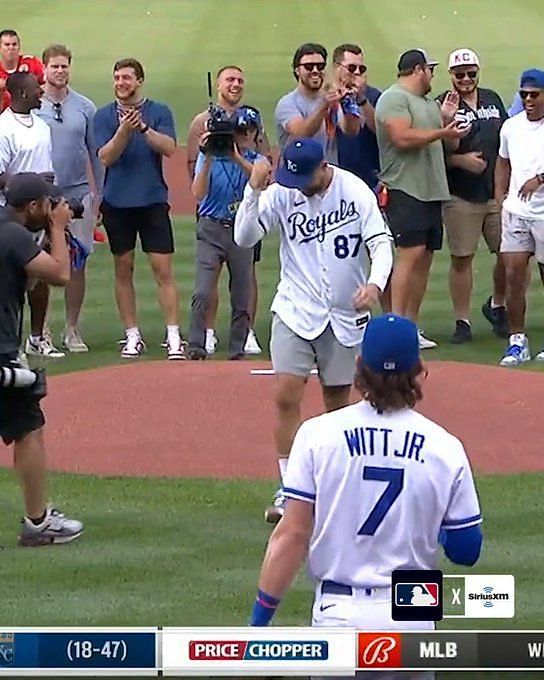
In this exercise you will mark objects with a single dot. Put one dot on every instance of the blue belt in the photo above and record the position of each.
(333, 588)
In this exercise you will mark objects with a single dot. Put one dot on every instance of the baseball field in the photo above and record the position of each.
(170, 466)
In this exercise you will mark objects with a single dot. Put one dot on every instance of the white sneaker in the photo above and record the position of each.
(425, 343)
(539, 356)
(72, 340)
(55, 528)
(517, 352)
(133, 347)
(211, 341)
(43, 348)
(252, 345)
(176, 349)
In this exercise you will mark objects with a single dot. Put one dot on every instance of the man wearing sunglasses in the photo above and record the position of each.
(410, 128)
(473, 210)
(70, 117)
(519, 190)
(358, 154)
(313, 108)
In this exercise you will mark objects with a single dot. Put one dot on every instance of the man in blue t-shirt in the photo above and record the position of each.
(358, 154)
(218, 186)
(133, 134)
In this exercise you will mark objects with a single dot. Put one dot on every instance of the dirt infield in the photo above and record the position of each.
(215, 419)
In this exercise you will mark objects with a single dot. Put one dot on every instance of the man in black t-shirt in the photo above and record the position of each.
(473, 210)
(22, 263)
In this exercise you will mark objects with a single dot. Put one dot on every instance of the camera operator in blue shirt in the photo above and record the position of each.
(221, 173)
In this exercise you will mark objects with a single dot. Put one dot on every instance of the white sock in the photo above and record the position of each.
(518, 339)
(282, 462)
(35, 338)
(210, 331)
(172, 331)
(132, 331)
(494, 305)
(466, 321)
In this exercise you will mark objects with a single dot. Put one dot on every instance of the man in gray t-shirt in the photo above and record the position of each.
(70, 117)
(312, 109)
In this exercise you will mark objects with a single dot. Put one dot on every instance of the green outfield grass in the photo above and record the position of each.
(187, 552)
(180, 40)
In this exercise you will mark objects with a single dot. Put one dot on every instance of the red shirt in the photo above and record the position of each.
(26, 64)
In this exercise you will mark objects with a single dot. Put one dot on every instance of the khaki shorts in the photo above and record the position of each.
(83, 229)
(294, 355)
(465, 222)
(522, 235)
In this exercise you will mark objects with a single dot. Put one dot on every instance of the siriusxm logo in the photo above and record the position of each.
(310, 228)
(488, 596)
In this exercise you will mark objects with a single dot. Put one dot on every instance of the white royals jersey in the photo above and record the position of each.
(331, 244)
(383, 486)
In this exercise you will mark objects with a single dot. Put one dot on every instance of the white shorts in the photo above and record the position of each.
(83, 229)
(522, 235)
(366, 609)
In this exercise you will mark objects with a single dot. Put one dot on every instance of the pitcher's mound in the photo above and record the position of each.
(215, 418)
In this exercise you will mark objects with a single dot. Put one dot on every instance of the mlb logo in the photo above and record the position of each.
(416, 595)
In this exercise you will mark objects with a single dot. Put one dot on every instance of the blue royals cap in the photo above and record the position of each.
(247, 116)
(390, 344)
(533, 77)
(301, 158)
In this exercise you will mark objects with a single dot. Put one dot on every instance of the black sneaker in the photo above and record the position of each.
(497, 317)
(462, 333)
(197, 353)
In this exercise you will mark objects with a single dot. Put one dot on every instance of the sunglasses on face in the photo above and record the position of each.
(354, 68)
(529, 94)
(57, 108)
(318, 66)
(465, 74)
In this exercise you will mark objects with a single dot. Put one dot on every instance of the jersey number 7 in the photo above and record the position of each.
(395, 481)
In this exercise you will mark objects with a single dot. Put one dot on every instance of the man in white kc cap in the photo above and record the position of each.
(473, 211)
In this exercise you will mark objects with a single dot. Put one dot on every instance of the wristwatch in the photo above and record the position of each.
(144, 129)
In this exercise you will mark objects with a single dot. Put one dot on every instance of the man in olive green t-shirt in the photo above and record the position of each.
(410, 128)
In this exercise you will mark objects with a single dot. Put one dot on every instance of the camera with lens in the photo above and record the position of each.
(75, 206)
(221, 126)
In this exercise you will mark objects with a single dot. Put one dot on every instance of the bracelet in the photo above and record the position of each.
(144, 129)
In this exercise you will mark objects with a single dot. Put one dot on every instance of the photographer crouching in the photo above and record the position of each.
(222, 170)
(23, 262)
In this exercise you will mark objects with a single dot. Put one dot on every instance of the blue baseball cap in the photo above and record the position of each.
(533, 77)
(390, 344)
(247, 116)
(301, 158)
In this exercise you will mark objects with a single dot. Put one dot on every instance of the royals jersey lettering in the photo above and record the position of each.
(383, 486)
(330, 245)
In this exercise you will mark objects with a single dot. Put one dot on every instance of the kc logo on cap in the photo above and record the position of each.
(291, 166)
(463, 57)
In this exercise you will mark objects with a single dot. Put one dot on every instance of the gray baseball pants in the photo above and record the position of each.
(214, 246)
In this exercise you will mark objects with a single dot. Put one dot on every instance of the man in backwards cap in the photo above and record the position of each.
(21, 418)
(519, 190)
(371, 488)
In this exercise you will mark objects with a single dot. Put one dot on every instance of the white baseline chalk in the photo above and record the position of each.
(270, 371)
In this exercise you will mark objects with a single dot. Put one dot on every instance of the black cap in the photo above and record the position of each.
(28, 186)
(412, 58)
